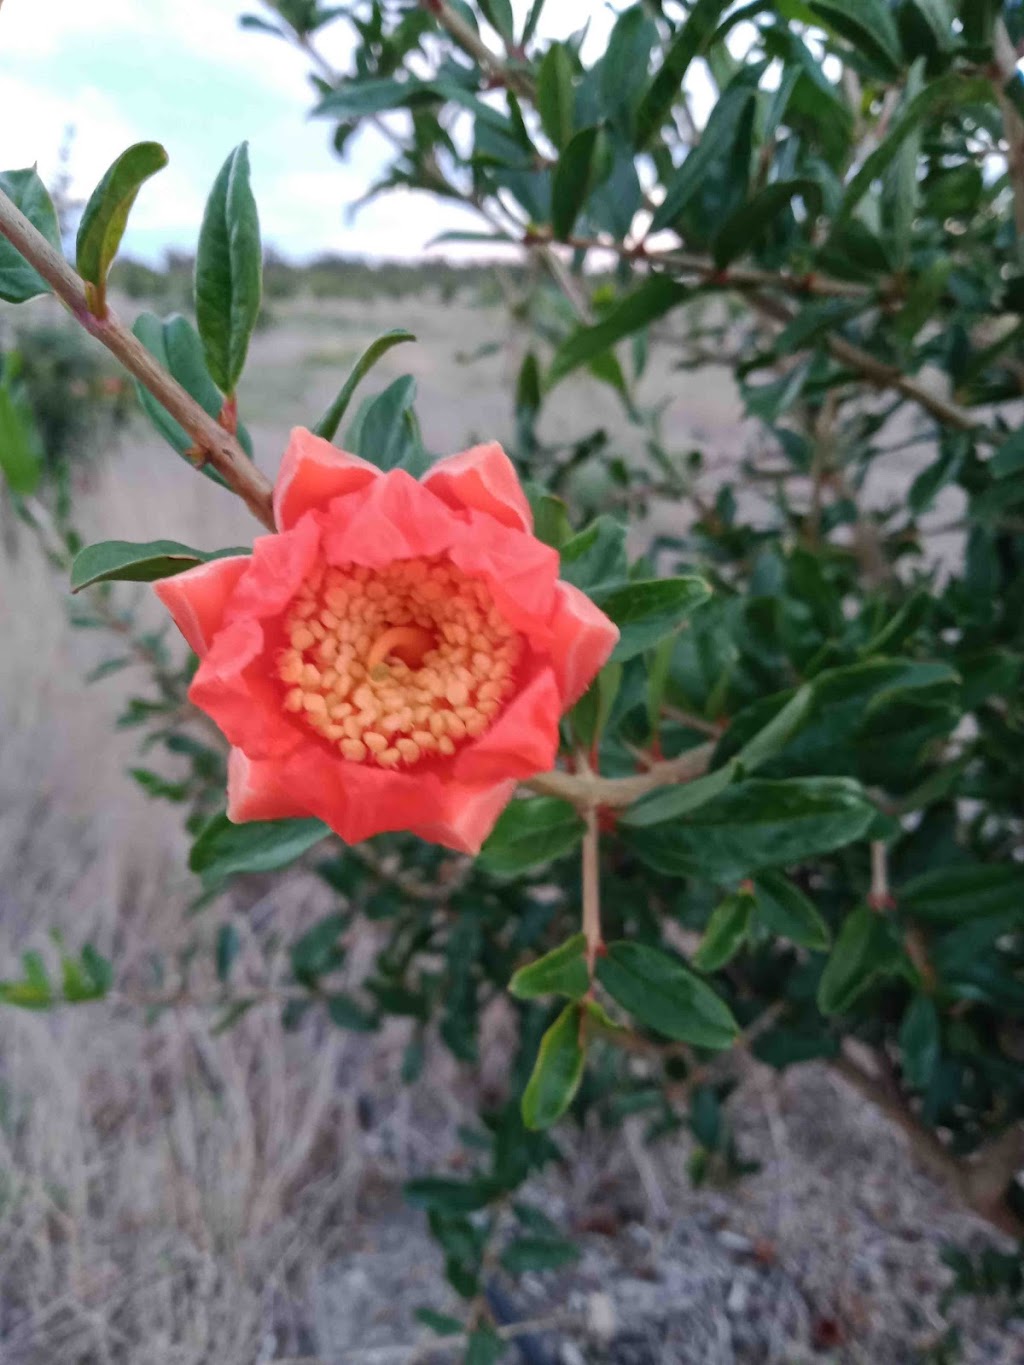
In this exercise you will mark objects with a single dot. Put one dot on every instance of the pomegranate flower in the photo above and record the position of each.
(397, 655)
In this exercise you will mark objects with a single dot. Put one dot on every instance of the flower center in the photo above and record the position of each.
(397, 664)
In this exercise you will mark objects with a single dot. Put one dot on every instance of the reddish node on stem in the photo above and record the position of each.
(228, 416)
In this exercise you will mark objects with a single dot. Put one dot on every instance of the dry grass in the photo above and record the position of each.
(178, 1198)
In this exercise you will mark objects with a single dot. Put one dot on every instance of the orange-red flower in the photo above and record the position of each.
(397, 655)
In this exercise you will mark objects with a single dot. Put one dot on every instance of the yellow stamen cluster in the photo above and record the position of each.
(397, 664)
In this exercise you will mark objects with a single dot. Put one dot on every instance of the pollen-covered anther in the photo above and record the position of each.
(397, 666)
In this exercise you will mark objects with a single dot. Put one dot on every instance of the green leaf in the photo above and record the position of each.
(689, 42)
(331, 420)
(319, 950)
(125, 562)
(946, 90)
(595, 558)
(949, 895)
(223, 849)
(345, 1013)
(582, 166)
(867, 24)
(18, 280)
(649, 610)
(105, 216)
(665, 996)
(385, 430)
(441, 1323)
(746, 227)
(563, 971)
(784, 910)
(175, 343)
(863, 951)
(655, 297)
(227, 946)
(538, 1254)
(485, 1347)
(725, 127)
(498, 14)
(920, 1041)
(21, 461)
(555, 94)
(669, 803)
(726, 932)
(443, 1195)
(530, 832)
(557, 1071)
(758, 824)
(1009, 458)
(229, 271)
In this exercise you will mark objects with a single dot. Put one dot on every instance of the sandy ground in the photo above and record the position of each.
(175, 1198)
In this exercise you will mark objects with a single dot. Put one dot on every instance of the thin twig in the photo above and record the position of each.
(586, 790)
(216, 445)
(471, 43)
(591, 875)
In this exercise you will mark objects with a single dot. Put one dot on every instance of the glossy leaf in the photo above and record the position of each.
(747, 226)
(555, 94)
(582, 166)
(655, 297)
(697, 28)
(863, 951)
(224, 849)
(950, 895)
(648, 611)
(530, 832)
(126, 562)
(229, 272)
(105, 215)
(784, 910)
(920, 1041)
(867, 24)
(557, 1071)
(663, 995)
(563, 971)
(385, 430)
(20, 281)
(328, 425)
(726, 932)
(758, 824)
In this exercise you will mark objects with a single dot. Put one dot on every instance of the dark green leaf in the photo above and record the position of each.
(21, 458)
(563, 971)
(655, 297)
(665, 996)
(498, 14)
(331, 420)
(758, 824)
(920, 1041)
(726, 932)
(557, 1071)
(1009, 458)
(105, 216)
(440, 1194)
(864, 950)
(689, 42)
(122, 561)
(582, 166)
(228, 944)
(485, 1346)
(537, 1253)
(949, 895)
(649, 610)
(385, 430)
(784, 910)
(18, 280)
(229, 271)
(319, 950)
(555, 94)
(867, 24)
(223, 849)
(345, 1013)
(744, 228)
(530, 832)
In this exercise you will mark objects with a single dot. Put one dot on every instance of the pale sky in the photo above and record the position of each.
(181, 72)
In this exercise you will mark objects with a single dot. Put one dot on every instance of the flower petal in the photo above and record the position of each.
(395, 517)
(279, 566)
(257, 791)
(483, 479)
(522, 741)
(234, 685)
(582, 639)
(312, 473)
(358, 801)
(521, 571)
(197, 598)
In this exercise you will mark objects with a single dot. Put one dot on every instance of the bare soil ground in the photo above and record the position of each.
(176, 1198)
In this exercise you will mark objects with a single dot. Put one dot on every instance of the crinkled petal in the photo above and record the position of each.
(358, 801)
(235, 687)
(279, 566)
(395, 517)
(257, 790)
(312, 473)
(484, 479)
(521, 571)
(522, 741)
(582, 638)
(197, 598)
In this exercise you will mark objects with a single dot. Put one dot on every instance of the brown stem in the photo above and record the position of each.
(588, 790)
(470, 42)
(591, 873)
(217, 446)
